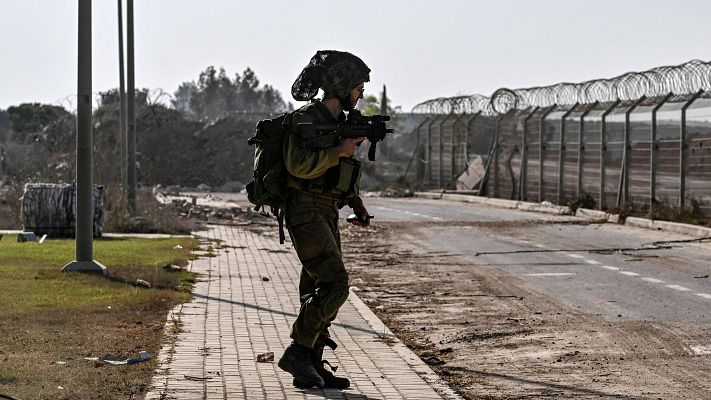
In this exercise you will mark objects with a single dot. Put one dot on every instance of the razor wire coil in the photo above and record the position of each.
(684, 79)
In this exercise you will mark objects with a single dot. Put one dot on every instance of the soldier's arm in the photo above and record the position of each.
(306, 163)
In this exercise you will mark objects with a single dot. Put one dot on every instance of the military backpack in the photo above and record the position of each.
(268, 185)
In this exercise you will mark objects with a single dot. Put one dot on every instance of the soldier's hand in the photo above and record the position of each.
(347, 146)
(363, 217)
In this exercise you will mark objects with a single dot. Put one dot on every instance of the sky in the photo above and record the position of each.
(419, 49)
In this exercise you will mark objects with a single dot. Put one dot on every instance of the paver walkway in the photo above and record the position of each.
(244, 305)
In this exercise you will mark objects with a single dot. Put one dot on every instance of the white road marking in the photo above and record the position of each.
(628, 273)
(540, 245)
(551, 274)
(679, 288)
(610, 268)
(571, 255)
(409, 213)
(652, 280)
(701, 350)
(704, 295)
(593, 262)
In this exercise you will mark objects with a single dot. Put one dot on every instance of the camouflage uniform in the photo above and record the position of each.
(312, 221)
(320, 183)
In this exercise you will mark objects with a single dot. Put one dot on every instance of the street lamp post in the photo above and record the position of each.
(84, 228)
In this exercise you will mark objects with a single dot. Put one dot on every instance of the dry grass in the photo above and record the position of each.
(50, 321)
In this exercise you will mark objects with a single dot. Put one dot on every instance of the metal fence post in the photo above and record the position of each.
(682, 148)
(623, 191)
(441, 149)
(581, 148)
(603, 150)
(541, 148)
(429, 151)
(496, 156)
(561, 153)
(523, 180)
(653, 149)
(419, 145)
(466, 137)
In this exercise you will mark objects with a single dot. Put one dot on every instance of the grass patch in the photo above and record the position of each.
(50, 321)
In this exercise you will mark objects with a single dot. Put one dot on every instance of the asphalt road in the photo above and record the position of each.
(580, 265)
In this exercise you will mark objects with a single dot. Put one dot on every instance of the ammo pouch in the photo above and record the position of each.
(348, 178)
(341, 182)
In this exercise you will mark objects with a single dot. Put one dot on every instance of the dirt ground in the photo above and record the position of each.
(491, 337)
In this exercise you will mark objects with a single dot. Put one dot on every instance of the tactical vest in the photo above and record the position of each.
(341, 182)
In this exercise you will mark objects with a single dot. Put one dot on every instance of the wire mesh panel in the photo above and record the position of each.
(422, 143)
(507, 146)
(435, 151)
(590, 153)
(481, 132)
(459, 142)
(571, 152)
(551, 154)
(640, 155)
(668, 149)
(698, 165)
(447, 132)
(615, 142)
(533, 155)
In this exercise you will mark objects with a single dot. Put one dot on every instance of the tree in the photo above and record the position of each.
(215, 95)
(371, 105)
(34, 117)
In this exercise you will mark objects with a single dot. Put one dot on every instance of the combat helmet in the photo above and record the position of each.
(336, 72)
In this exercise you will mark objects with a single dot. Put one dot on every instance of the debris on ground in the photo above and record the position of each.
(266, 357)
(142, 283)
(142, 356)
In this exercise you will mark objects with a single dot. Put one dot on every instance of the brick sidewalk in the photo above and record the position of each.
(244, 305)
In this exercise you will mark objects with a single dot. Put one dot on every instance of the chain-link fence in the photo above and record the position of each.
(641, 139)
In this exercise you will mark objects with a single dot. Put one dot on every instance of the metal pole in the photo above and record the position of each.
(466, 137)
(419, 145)
(561, 153)
(122, 99)
(623, 191)
(84, 228)
(603, 150)
(523, 190)
(541, 148)
(131, 115)
(429, 150)
(682, 148)
(496, 155)
(441, 149)
(653, 150)
(581, 148)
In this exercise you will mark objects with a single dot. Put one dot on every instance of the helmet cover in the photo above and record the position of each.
(336, 72)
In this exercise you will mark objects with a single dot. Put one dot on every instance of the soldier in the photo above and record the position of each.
(316, 180)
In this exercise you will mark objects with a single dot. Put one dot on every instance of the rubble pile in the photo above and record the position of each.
(186, 209)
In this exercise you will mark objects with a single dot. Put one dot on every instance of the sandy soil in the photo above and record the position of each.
(491, 337)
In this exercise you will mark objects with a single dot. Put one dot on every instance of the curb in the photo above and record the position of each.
(501, 203)
(666, 226)
(412, 359)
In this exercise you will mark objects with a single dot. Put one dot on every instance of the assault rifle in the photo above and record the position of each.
(324, 135)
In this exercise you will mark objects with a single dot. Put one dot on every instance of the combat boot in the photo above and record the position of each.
(329, 380)
(297, 361)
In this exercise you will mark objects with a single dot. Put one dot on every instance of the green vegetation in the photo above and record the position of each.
(50, 321)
